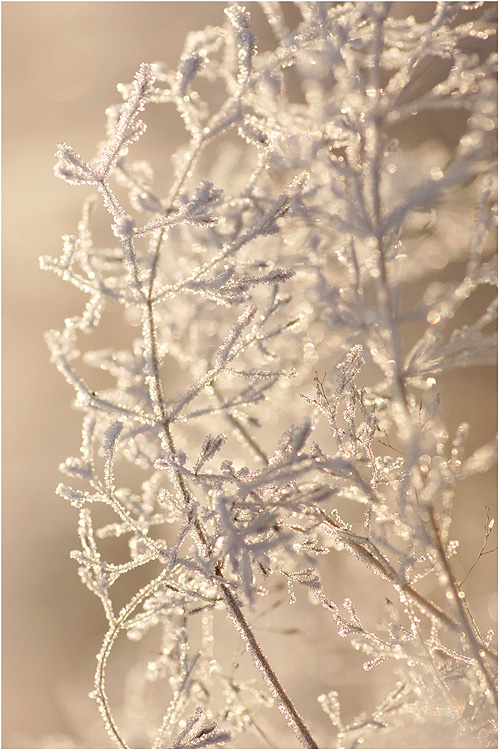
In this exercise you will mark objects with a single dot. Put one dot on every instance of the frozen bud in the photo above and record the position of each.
(124, 227)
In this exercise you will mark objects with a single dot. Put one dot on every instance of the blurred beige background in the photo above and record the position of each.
(61, 64)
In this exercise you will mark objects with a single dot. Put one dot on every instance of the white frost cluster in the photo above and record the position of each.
(290, 254)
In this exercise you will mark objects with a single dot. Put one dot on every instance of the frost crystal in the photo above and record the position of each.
(222, 461)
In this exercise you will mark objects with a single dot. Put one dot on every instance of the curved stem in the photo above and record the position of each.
(108, 643)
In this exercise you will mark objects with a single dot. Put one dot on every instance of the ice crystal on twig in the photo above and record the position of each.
(290, 252)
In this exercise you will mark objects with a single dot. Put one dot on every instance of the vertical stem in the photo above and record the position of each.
(374, 137)
(375, 145)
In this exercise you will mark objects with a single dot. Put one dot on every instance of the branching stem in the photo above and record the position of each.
(476, 650)
(233, 608)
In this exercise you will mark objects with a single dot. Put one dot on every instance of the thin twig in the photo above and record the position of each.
(476, 650)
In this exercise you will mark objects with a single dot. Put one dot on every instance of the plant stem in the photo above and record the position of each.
(233, 608)
(467, 630)
(285, 704)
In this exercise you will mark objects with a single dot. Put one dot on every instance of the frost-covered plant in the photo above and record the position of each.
(295, 246)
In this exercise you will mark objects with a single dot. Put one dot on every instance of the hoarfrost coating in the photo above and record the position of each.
(304, 276)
